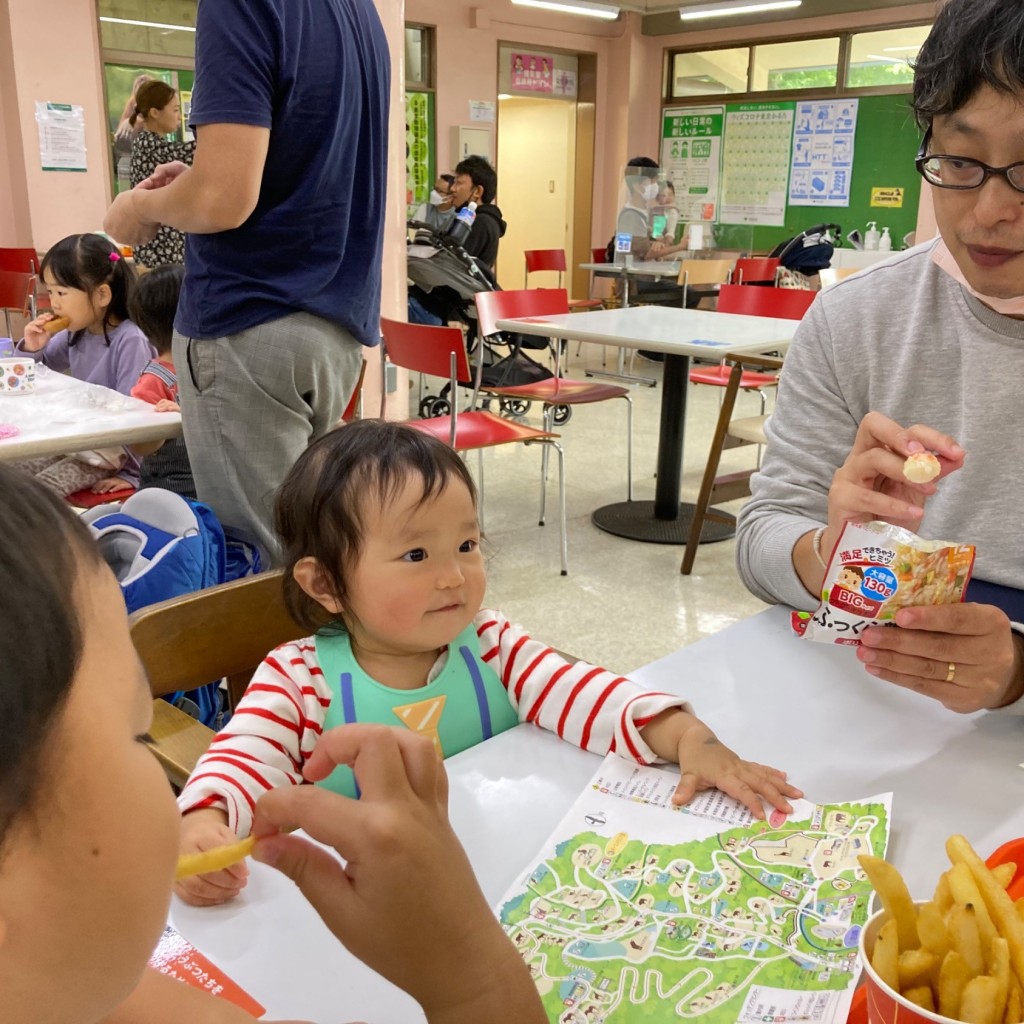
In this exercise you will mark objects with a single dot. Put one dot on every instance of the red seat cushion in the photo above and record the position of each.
(479, 430)
(561, 391)
(89, 499)
(718, 376)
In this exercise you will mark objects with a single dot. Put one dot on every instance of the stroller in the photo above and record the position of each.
(443, 280)
(811, 250)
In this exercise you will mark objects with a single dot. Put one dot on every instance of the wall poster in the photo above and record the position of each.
(755, 161)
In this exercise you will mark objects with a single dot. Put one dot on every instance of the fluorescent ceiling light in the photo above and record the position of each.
(729, 7)
(591, 10)
(149, 24)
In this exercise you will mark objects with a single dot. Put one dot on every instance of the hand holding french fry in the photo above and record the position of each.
(961, 954)
(206, 831)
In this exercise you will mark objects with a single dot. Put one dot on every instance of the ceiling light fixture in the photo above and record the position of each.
(727, 8)
(149, 24)
(608, 12)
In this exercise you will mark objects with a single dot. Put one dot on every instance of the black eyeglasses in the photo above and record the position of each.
(961, 172)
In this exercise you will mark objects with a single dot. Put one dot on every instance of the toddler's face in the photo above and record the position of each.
(75, 304)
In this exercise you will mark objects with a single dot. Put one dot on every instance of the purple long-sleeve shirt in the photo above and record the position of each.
(117, 365)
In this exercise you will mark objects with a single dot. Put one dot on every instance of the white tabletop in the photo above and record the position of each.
(686, 332)
(65, 415)
(640, 268)
(805, 707)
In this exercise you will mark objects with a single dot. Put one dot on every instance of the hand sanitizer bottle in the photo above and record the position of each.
(885, 242)
(871, 236)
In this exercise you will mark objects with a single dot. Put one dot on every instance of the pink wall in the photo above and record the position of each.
(41, 207)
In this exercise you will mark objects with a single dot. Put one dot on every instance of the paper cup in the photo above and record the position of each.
(884, 1006)
(17, 376)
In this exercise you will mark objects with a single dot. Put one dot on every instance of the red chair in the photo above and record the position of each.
(87, 498)
(554, 259)
(557, 390)
(16, 293)
(750, 269)
(441, 352)
(783, 303)
(23, 261)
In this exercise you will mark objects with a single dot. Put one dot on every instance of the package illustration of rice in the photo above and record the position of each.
(875, 570)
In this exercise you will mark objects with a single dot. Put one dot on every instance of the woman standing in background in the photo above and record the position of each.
(158, 109)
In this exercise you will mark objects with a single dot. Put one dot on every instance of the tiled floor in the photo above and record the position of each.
(624, 603)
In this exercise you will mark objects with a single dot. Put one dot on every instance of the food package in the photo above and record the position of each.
(875, 570)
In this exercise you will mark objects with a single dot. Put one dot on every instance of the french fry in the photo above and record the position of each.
(943, 898)
(953, 977)
(999, 968)
(920, 995)
(895, 897)
(1000, 907)
(963, 933)
(213, 860)
(1004, 873)
(931, 929)
(915, 968)
(1014, 1004)
(885, 957)
(965, 890)
(979, 1002)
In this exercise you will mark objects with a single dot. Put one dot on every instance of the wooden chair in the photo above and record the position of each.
(16, 295)
(729, 433)
(698, 272)
(751, 269)
(189, 641)
(554, 259)
(441, 352)
(833, 275)
(557, 390)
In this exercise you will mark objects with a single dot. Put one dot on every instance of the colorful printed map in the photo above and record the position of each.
(639, 911)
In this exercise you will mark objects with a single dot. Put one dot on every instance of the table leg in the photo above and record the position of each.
(620, 371)
(665, 520)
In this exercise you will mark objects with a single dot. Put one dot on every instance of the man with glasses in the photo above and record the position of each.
(922, 353)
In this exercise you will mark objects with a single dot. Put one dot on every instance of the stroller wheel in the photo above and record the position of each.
(515, 407)
(561, 415)
(438, 407)
(425, 406)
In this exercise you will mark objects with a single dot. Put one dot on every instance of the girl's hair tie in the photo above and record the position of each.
(114, 257)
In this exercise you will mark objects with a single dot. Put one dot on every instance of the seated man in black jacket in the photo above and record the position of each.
(477, 182)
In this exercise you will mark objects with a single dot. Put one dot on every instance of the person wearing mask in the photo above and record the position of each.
(477, 182)
(438, 211)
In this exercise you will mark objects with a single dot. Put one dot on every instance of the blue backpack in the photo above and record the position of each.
(160, 545)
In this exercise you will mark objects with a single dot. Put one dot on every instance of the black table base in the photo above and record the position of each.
(636, 521)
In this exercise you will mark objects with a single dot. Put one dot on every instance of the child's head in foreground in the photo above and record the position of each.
(154, 302)
(378, 523)
(88, 823)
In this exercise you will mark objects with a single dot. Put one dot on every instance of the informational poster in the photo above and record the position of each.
(823, 134)
(419, 117)
(481, 110)
(755, 162)
(891, 197)
(61, 136)
(564, 83)
(532, 72)
(691, 155)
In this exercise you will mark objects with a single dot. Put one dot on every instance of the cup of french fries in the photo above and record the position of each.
(956, 957)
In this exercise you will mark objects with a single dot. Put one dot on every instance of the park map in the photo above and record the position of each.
(640, 911)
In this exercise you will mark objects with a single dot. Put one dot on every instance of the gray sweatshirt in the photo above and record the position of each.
(906, 340)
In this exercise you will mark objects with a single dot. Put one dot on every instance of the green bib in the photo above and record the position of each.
(465, 705)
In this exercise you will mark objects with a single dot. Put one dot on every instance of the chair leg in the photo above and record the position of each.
(480, 484)
(629, 447)
(562, 534)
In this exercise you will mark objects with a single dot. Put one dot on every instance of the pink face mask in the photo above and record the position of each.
(943, 259)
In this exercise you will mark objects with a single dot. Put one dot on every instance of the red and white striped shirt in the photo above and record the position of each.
(280, 718)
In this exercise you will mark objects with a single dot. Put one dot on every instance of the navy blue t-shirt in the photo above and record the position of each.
(316, 73)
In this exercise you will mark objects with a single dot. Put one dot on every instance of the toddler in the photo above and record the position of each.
(383, 566)
(89, 829)
(152, 306)
(90, 285)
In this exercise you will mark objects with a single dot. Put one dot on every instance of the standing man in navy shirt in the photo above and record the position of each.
(282, 209)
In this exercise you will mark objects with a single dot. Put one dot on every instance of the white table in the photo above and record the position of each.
(804, 707)
(653, 270)
(680, 334)
(58, 418)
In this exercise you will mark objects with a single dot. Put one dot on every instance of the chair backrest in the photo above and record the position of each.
(704, 271)
(830, 275)
(21, 261)
(755, 268)
(545, 259)
(16, 290)
(599, 255)
(226, 630)
(785, 303)
(355, 402)
(494, 306)
(426, 349)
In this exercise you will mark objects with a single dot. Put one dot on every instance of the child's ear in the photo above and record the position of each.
(103, 295)
(310, 576)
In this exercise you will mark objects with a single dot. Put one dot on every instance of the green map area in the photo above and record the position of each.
(619, 930)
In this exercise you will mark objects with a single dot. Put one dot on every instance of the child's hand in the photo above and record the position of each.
(707, 763)
(166, 405)
(35, 336)
(203, 830)
(112, 483)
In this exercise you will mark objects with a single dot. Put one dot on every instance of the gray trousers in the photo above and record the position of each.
(250, 405)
